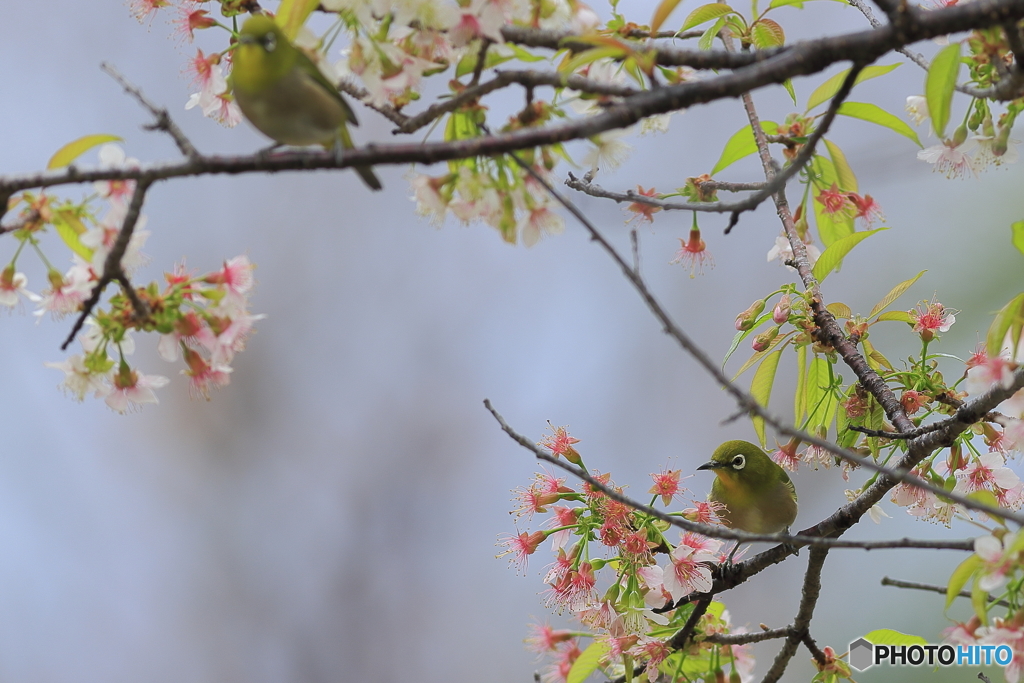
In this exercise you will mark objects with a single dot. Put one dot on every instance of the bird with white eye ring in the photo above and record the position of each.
(758, 495)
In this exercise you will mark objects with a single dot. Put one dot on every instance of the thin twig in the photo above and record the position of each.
(779, 181)
(745, 638)
(502, 79)
(914, 585)
(113, 270)
(586, 187)
(163, 119)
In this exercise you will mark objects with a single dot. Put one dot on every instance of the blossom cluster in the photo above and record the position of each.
(202, 319)
(631, 615)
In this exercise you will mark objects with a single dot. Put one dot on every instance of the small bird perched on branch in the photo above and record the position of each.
(758, 494)
(285, 96)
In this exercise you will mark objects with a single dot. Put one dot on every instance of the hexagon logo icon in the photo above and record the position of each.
(861, 654)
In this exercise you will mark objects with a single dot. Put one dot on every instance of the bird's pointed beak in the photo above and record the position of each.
(709, 465)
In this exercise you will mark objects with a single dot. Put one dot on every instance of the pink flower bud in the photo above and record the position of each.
(780, 314)
(764, 340)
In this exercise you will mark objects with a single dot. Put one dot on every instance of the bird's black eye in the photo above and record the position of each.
(269, 42)
(739, 461)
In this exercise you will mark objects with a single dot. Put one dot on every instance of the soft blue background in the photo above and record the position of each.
(332, 514)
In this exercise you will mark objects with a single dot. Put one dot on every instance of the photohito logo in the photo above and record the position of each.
(865, 654)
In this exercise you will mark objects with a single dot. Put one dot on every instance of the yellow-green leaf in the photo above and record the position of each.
(939, 85)
(761, 389)
(961, 575)
(900, 316)
(76, 148)
(1018, 235)
(705, 13)
(847, 181)
(581, 59)
(69, 227)
(800, 397)
(894, 293)
(292, 14)
(979, 600)
(704, 42)
(661, 12)
(821, 403)
(875, 359)
(587, 662)
(766, 33)
(788, 85)
(986, 497)
(829, 88)
(1010, 318)
(887, 636)
(835, 253)
(742, 144)
(875, 114)
(839, 310)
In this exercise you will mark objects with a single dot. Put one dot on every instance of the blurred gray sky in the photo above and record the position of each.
(332, 513)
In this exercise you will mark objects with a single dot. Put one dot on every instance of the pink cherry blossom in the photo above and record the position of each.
(128, 391)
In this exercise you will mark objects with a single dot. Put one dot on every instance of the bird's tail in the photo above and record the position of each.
(365, 172)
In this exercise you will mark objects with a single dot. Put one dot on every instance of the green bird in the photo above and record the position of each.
(758, 494)
(285, 96)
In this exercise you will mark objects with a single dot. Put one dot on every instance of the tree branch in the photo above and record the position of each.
(897, 583)
(163, 119)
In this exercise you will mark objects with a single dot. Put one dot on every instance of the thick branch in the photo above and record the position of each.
(800, 59)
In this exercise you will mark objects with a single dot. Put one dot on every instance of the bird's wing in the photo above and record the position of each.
(788, 483)
(307, 66)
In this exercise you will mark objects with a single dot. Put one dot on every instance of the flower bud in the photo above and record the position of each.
(764, 340)
(780, 313)
(746, 319)
(959, 135)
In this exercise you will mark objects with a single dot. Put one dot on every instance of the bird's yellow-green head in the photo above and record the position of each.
(263, 56)
(757, 493)
(741, 464)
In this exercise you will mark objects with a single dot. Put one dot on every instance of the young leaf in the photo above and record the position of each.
(847, 179)
(939, 85)
(979, 600)
(292, 14)
(742, 334)
(705, 13)
(1010, 318)
(875, 114)
(829, 88)
(661, 12)
(899, 316)
(766, 33)
(1018, 235)
(742, 144)
(832, 227)
(782, 3)
(69, 228)
(959, 578)
(76, 148)
(875, 359)
(823, 172)
(821, 403)
(788, 85)
(887, 636)
(800, 397)
(704, 42)
(761, 389)
(587, 662)
(839, 310)
(834, 254)
(894, 293)
(589, 56)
